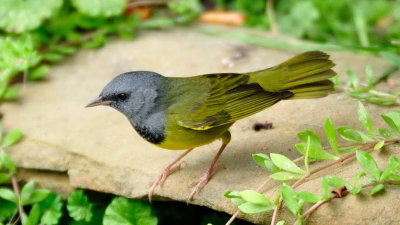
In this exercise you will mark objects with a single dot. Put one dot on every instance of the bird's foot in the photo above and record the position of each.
(201, 183)
(162, 177)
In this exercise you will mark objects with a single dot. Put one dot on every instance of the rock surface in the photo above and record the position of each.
(99, 150)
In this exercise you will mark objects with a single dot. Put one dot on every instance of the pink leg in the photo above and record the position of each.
(207, 175)
(168, 170)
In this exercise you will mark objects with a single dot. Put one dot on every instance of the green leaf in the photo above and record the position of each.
(8, 194)
(336, 182)
(12, 138)
(316, 151)
(308, 197)
(51, 209)
(365, 119)
(157, 23)
(386, 133)
(96, 41)
(99, 8)
(379, 145)
(394, 164)
(30, 195)
(393, 177)
(285, 163)
(34, 216)
(4, 177)
(186, 10)
(22, 15)
(10, 93)
(352, 79)
(330, 134)
(251, 208)
(285, 176)
(367, 162)
(348, 149)
(16, 54)
(7, 209)
(353, 135)
(66, 50)
(296, 22)
(235, 197)
(237, 201)
(378, 188)
(369, 76)
(123, 211)
(392, 57)
(232, 194)
(98, 211)
(357, 188)
(291, 202)
(361, 93)
(53, 57)
(38, 73)
(264, 161)
(393, 120)
(255, 197)
(282, 222)
(7, 162)
(381, 101)
(79, 207)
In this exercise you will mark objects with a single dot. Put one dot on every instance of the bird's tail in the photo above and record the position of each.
(305, 75)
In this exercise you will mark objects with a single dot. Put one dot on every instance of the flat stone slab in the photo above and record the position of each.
(99, 150)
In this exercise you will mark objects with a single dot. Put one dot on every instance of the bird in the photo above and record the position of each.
(183, 113)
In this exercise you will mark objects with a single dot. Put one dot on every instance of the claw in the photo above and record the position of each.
(200, 185)
(206, 176)
(168, 170)
(162, 177)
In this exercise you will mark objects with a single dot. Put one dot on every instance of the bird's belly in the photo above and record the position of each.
(180, 138)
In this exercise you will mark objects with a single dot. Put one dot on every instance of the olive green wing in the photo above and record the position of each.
(217, 99)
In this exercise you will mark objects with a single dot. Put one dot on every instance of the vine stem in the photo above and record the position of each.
(321, 202)
(276, 210)
(366, 146)
(14, 183)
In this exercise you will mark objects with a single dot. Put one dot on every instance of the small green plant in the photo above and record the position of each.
(367, 91)
(32, 205)
(311, 149)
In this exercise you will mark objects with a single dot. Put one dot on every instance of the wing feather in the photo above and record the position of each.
(218, 99)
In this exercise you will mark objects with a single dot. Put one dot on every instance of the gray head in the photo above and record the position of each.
(134, 94)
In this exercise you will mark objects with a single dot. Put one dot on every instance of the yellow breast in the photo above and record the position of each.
(181, 138)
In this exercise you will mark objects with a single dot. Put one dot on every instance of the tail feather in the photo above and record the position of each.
(305, 75)
(312, 90)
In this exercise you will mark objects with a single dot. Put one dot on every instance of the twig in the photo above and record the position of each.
(16, 191)
(321, 202)
(313, 208)
(366, 146)
(230, 221)
(275, 214)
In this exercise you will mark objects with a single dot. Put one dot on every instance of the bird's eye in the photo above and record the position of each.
(122, 96)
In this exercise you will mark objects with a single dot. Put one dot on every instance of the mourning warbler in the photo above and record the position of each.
(179, 113)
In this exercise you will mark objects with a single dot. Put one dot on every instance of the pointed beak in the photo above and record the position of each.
(98, 101)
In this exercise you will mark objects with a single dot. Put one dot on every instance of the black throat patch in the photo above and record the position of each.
(151, 135)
